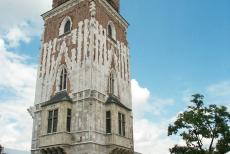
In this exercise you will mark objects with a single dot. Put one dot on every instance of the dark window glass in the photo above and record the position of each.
(55, 120)
(50, 121)
(111, 84)
(108, 122)
(56, 113)
(121, 124)
(68, 124)
(67, 27)
(63, 79)
(110, 32)
(50, 114)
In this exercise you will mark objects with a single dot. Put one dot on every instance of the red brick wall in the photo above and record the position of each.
(58, 2)
(79, 13)
(104, 17)
(76, 13)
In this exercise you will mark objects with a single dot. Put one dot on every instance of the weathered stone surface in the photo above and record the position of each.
(90, 56)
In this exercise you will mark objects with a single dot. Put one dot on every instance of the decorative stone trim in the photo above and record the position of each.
(92, 9)
(60, 9)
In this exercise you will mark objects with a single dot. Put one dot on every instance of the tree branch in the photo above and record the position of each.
(198, 140)
(213, 136)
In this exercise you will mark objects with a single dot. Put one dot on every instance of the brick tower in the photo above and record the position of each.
(83, 95)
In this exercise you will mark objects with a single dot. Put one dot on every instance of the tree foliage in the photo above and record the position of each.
(205, 130)
(1, 149)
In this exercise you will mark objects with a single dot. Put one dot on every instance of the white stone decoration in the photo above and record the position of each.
(92, 9)
(94, 49)
(89, 56)
(31, 111)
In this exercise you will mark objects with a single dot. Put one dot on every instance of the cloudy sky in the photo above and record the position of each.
(178, 48)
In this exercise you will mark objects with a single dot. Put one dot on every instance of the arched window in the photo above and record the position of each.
(67, 27)
(111, 31)
(111, 83)
(63, 80)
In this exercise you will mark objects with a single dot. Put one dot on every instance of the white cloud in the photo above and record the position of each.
(143, 102)
(16, 12)
(140, 95)
(150, 137)
(220, 89)
(18, 79)
(21, 20)
(219, 94)
(17, 34)
(15, 74)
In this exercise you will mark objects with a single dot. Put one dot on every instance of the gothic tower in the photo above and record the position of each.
(83, 95)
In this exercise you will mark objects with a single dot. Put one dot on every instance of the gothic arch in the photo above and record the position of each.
(62, 28)
(112, 82)
(62, 78)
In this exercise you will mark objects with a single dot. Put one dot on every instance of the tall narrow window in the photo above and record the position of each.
(68, 122)
(67, 26)
(111, 83)
(121, 124)
(55, 120)
(108, 122)
(52, 121)
(63, 79)
(110, 32)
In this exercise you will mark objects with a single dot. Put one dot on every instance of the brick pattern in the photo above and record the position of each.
(79, 13)
(56, 3)
(89, 56)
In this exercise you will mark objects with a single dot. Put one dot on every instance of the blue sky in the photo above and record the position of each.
(178, 47)
(180, 43)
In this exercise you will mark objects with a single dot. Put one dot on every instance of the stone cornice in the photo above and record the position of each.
(60, 9)
(71, 3)
(115, 14)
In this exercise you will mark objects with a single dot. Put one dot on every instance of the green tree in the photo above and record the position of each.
(205, 130)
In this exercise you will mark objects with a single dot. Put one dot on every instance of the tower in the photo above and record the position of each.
(83, 92)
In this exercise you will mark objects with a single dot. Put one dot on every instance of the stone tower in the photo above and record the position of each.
(83, 95)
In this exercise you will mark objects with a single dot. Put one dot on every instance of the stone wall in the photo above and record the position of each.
(87, 52)
(90, 56)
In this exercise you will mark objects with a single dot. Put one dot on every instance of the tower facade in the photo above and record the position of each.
(83, 92)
